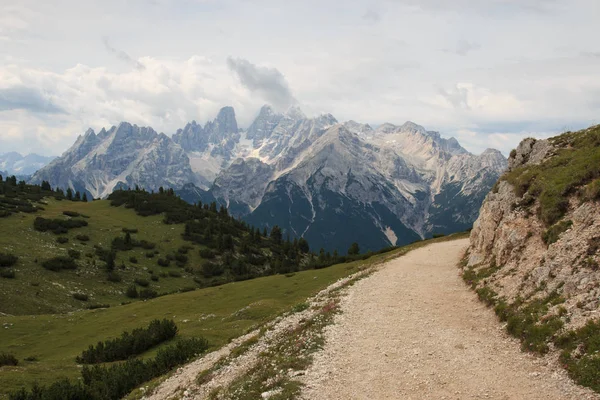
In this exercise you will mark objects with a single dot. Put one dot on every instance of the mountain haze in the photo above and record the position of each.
(16, 164)
(333, 183)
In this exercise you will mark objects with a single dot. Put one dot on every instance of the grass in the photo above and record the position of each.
(551, 235)
(527, 321)
(53, 293)
(217, 313)
(580, 354)
(574, 169)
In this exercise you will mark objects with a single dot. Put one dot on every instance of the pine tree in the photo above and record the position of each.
(77, 196)
(276, 235)
(354, 249)
(85, 199)
(303, 245)
(69, 194)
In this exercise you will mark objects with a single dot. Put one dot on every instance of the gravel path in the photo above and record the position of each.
(413, 330)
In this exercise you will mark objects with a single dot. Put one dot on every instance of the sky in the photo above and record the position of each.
(489, 73)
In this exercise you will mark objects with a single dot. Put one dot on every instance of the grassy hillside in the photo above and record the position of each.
(216, 313)
(36, 290)
(75, 254)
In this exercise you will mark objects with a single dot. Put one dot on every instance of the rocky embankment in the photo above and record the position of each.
(534, 250)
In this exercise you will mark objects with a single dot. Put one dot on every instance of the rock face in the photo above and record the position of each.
(126, 155)
(334, 183)
(533, 259)
(15, 164)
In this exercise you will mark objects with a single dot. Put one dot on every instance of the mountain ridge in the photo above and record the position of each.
(402, 181)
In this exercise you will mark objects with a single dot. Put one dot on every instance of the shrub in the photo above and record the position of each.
(144, 244)
(112, 276)
(96, 306)
(82, 238)
(7, 273)
(57, 226)
(8, 359)
(71, 213)
(74, 254)
(210, 269)
(117, 380)
(150, 254)
(175, 274)
(207, 253)
(142, 282)
(80, 296)
(148, 293)
(132, 292)
(133, 260)
(180, 258)
(154, 278)
(184, 249)
(129, 344)
(163, 263)
(438, 235)
(59, 263)
(62, 239)
(551, 235)
(8, 260)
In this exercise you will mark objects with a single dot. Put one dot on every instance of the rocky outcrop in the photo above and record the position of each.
(530, 259)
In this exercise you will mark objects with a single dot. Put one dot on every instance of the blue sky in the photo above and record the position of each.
(487, 72)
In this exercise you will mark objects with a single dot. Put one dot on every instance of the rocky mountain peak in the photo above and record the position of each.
(225, 122)
(295, 113)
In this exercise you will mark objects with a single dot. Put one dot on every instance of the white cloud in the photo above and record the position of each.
(525, 67)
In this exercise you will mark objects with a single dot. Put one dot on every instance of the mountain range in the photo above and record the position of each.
(14, 163)
(331, 182)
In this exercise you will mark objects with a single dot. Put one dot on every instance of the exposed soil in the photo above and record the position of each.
(414, 330)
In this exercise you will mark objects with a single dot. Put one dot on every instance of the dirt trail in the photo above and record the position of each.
(413, 330)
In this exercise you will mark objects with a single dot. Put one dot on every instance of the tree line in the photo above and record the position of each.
(129, 344)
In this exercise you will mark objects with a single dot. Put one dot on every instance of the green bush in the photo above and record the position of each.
(8, 359)
(74, 254)
(57, 226)
(112, 276)
(175, 274)
(132, 292)
(59, 263)
(163, 263)
(82, 238)
(148, 293)
(207, 253)
(133, 260)
(7, 273)
(551, 235)
(117, 380)
(129, 344)
(142, 282)
(96, 306)
(62, 239)
(71, 213)
(8, 260)
(80, 296)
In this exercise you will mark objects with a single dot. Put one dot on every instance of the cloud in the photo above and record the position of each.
(463, 47)
(372, 16)
(121, 55)
(26, 98)
(268, 83)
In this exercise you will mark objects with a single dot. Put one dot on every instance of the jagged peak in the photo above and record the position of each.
(411, 126)
(226, 112)
(295, 113)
